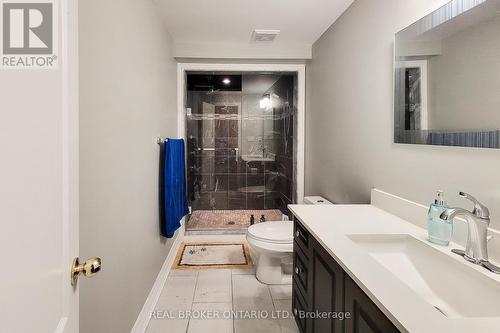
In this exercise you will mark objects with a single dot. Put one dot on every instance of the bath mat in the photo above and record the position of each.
(213, 255)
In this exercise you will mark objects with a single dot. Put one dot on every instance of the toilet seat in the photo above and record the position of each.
(273, 244)
(272, 232)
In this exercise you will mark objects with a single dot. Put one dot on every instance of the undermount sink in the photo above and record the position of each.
(452, 287)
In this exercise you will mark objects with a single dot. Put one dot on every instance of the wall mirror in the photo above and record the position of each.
(447, 77)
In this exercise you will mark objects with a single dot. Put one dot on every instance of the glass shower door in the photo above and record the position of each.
(212, 135)
(240, 147)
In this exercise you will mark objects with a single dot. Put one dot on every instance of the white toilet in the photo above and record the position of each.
(272, 243)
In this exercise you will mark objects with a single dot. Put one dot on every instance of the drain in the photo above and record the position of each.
(231, 223)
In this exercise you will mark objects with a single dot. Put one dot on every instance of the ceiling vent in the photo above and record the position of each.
(265, 35)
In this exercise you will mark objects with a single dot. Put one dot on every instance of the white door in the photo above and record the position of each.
(39, 184)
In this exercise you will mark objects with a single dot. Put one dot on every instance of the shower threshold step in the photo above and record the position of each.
(227, 222)
(216, 232)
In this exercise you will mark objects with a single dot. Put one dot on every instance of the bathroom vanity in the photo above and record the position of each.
(321, 285)
(378, 273)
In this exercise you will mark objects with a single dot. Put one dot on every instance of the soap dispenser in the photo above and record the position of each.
(440, 231)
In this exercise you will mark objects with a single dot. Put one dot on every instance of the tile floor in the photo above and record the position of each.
(219, 295)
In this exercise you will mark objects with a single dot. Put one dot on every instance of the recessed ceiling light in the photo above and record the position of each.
(226, 81)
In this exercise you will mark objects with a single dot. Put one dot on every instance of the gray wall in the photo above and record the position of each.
(127, 98)
(464, 81)
(350, 119)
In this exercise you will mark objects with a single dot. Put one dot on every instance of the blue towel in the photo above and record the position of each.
(174, 179)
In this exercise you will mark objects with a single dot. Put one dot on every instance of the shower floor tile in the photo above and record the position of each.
(233, 221)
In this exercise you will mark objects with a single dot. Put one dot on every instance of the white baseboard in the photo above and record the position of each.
(141, 324)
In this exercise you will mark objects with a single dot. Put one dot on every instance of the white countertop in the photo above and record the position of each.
(330, 225)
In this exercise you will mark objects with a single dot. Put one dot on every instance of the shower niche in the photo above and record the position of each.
(240, 147)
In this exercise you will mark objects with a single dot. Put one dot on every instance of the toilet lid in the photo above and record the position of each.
(275, 232)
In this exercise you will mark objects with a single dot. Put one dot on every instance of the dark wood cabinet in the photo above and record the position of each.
(365, 315)
(301, 272)
(327, 290)
(299, 306)
(323, 293)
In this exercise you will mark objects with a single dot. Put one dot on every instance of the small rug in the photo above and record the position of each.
(213, 255)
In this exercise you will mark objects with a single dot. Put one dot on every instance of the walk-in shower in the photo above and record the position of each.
(241, 148)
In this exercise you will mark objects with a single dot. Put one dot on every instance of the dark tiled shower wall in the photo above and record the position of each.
(218, 178)
(222, 180)
(281, 179)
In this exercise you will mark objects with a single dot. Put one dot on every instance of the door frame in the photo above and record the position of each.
(69, 67)
(424, 103)
(300, 69)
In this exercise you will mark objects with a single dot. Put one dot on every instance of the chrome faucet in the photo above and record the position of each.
(478, 221)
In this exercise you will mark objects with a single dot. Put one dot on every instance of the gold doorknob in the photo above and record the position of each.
(88, 268)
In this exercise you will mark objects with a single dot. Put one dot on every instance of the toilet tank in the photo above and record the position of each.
(316, 200)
